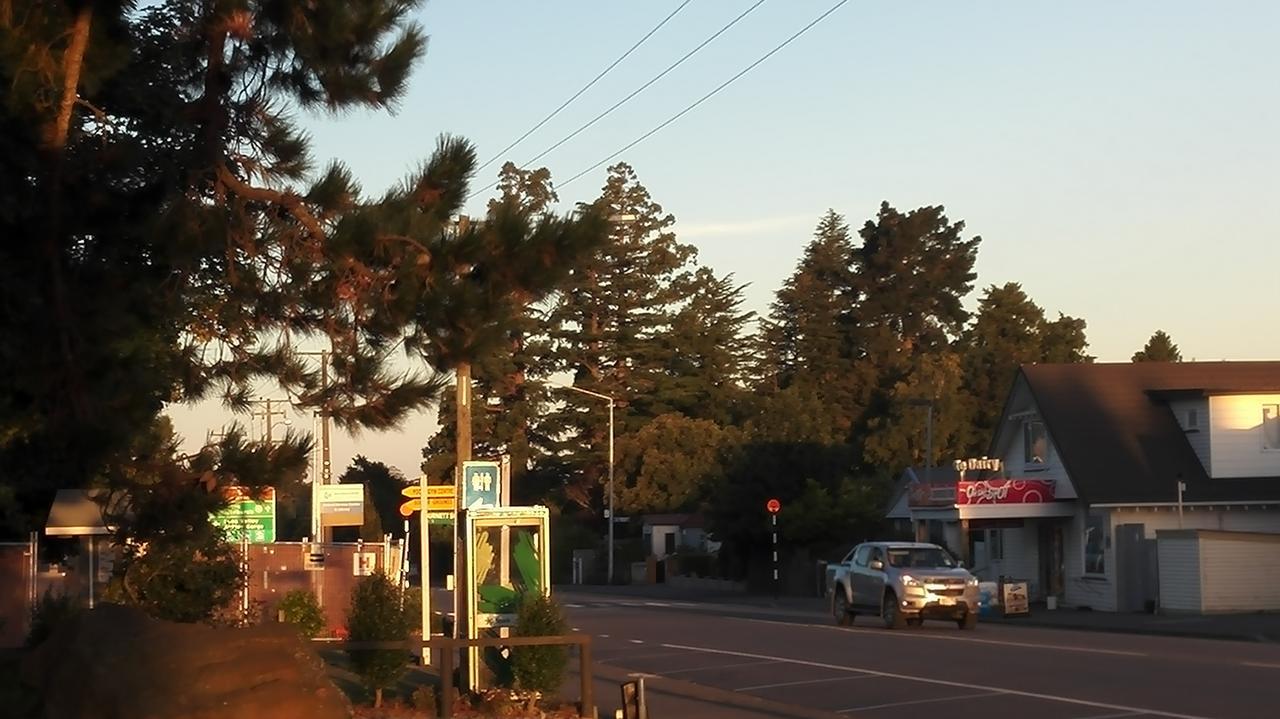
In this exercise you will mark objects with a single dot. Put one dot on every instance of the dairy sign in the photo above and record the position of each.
(1004, 491)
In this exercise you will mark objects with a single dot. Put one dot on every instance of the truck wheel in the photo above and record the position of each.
(969, 621)
(891, 613)
(840, 608)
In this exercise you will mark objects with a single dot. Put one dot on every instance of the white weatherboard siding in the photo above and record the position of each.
(1179, 572)
(1239, 572)
(1237, 520)
(1198, 435)
(1081, 591)
(1235, 435)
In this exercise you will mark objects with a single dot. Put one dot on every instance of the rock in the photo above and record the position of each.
(117, 663)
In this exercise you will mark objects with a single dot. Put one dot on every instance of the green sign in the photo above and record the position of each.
(439, 518)
(247, 518)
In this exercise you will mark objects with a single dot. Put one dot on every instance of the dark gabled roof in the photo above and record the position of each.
(1113, 430)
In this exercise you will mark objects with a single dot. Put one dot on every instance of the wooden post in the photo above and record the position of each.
(586, 704)
(446, 677)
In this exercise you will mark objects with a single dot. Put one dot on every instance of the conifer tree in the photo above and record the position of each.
(1160, 348)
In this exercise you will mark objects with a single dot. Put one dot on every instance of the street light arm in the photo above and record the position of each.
(597, 395)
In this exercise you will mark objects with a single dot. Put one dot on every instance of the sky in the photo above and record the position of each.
(1119, 160)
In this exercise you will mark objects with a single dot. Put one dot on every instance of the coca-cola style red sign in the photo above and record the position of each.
(1004, 491)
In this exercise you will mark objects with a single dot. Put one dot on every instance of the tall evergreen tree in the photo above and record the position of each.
(605, 330)
(1160, 348)
(911, 273)
(1009, 330)
(167, 238)
(807, 339)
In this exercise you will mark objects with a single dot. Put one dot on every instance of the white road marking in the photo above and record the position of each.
(574, 606)
(1264, 665)
(805, 681)
(717, 667)
(656, 604)
(944, 638)
(636, 641)
(873, 707)
(603, 636)
(939, 682)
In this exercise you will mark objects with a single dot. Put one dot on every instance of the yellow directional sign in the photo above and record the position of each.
(440, 498)
(441, 491)
(414, 490)
(441, 504)
(410, 507)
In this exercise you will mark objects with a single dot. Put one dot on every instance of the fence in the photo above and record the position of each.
(18, 591)
(276, 569)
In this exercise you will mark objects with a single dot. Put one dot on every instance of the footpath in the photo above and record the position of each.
(1255, 627)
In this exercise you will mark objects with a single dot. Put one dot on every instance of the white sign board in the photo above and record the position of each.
(364, 564)
(341, 505)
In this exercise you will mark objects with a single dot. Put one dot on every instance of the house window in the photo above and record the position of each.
(1193, 418)
(1035, 444)
(1095, 544)
(1270, 427)
(995, 545)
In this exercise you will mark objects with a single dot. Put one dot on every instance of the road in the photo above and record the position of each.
(736, 661)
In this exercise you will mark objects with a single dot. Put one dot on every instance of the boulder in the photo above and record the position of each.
(117, 663)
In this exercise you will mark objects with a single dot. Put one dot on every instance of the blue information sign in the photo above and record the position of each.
(481, 482)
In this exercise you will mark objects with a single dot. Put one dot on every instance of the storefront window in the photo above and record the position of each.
(1095, 545)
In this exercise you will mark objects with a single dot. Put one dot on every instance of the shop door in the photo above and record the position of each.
(1051, 569)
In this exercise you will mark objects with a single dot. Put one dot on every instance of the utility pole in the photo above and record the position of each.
(462, 452)
(322, 534)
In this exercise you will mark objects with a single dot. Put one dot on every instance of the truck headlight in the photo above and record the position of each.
(910, 581)
(971, 582)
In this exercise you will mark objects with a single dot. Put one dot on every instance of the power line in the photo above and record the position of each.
(635, 92)
(709, 95)
(586, 87)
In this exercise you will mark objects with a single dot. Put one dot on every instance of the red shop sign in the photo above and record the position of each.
(1005, 491)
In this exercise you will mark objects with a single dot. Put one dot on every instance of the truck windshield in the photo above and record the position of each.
(928, 558)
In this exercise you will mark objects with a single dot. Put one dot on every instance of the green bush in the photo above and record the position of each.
(541, 668)
(301, 609)
(50, 613)
(376, 615)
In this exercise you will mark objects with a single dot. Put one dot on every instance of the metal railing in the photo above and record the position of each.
(450, 646)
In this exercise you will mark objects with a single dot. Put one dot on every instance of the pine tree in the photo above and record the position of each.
(807, 341)
(911, 273)
(605, 329)
(1160, 348)
(1009, 330)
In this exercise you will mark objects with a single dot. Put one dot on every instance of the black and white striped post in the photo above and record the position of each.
(774, 506)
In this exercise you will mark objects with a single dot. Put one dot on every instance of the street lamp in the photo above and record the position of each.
(612, 404)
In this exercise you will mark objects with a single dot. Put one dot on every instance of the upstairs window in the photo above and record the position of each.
(1035, 444)
(1271, 427)
(1193, 418)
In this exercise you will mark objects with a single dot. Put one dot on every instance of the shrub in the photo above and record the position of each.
(50, 613)
(301, 609)
(540, 668)
(424, 700)
(376, 615)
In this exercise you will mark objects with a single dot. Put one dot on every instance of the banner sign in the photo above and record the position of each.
(1005, 491)
(935, 494)
(247, 518)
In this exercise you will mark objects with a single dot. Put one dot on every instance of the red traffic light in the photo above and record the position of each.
(773, 505)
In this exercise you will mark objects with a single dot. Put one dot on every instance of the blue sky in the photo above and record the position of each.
(1118, 159)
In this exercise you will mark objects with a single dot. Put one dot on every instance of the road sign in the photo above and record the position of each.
(341, 505)
(408, 508)
(773, 505)
(248, 518)
(480, 484)
(412, 491)
(363, 564)
(440, 498)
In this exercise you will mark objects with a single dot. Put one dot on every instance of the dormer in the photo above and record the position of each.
(1244, 435)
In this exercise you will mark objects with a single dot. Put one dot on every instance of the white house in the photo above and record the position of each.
(1095, 459)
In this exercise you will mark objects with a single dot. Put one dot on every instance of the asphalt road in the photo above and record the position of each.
(721, 661)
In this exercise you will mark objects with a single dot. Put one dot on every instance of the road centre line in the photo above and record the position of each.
(718, 667)
(938, 682)
(943, 638)
(873, 707)
(1263, 665)
(805, 681)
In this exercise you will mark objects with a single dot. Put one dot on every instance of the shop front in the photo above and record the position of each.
(999, 526)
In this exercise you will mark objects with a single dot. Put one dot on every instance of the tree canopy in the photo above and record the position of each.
(1160, 348)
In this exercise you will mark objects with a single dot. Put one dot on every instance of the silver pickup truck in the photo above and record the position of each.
(903, 583)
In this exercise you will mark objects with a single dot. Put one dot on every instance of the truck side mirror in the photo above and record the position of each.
(877, 565)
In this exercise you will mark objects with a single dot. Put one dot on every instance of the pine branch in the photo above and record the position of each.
(288, 200)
